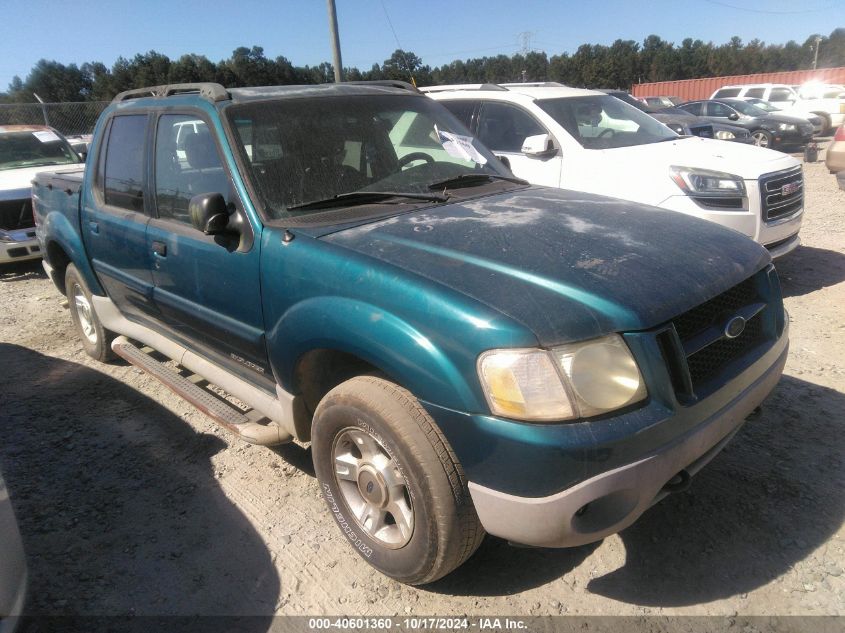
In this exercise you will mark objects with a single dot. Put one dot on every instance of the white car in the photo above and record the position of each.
(829, 105)
(25, 150)
(13, 574)
(589, 141)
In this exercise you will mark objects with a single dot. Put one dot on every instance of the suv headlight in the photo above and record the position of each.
(703, 182)
(725, 135)
(576, 380)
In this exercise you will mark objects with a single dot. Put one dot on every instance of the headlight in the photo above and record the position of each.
(786, 127)
(577, 380)
(702, 182)
(725, 135)
(5, 237)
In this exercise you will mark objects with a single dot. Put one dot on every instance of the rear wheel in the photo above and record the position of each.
(762, 138)
(391, 481)
(96, 340)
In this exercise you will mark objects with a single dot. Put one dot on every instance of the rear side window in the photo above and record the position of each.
(462, 110)
(504, 128)
(692, 108)
(727, 92)
(186, 164)
(124, 165)
(755, 93)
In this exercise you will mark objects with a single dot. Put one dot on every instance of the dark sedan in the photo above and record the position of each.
(766, 128)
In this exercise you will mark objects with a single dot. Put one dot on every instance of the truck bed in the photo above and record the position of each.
(57, 191)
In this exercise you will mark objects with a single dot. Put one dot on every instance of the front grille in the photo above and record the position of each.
(707, 362)
(781, 193)
(16, 214)
(702, 350)
(704, 131)
(724, 305)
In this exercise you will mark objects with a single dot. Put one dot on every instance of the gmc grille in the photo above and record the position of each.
(16, 214)
(781, 194)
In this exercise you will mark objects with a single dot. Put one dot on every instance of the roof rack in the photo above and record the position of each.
(462, 87)
(212, 91)
(535, 84)
(391, 83)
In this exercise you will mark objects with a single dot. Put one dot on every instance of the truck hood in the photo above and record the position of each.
(17, 179)
(746, 161)
(568, 265)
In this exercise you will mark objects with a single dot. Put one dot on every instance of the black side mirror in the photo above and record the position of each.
(505, 161)
(209, 213)
(733, 116)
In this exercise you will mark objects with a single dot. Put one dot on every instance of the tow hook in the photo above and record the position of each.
(678, 483)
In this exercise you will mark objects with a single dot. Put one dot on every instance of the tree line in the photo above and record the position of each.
(619, 65)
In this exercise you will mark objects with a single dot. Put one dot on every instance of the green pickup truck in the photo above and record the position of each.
(466, 353)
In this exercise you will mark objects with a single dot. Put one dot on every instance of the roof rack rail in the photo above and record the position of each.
(444, 88)
(212, 91)
(391, 83)
(535, 84)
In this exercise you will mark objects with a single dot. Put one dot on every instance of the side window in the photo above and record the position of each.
(186, 164)
(755, 93)
(462, 109)
(780, 94)
(692, 108)
(726, 92)
(123, 175)
(503, 127)
(718, 110)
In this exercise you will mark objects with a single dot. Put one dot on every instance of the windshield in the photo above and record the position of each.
(306, 150)
(763, 105)
(605, 122)
(743, 107)
(33, 149)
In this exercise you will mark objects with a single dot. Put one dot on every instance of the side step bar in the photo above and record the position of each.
(249, 426)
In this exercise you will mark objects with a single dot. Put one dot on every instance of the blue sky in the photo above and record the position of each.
(436, 30)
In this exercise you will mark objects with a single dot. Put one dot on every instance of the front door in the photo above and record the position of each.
(206, 289)
(503, 128)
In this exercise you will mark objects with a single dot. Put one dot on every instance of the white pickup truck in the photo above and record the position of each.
(25, 150)
(589, 141)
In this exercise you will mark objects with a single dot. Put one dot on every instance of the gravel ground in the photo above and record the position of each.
(132, 502)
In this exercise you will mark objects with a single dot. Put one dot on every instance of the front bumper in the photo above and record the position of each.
(610, 501)
(23, 245)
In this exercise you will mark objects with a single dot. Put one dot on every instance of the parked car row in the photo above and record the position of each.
(357, 264)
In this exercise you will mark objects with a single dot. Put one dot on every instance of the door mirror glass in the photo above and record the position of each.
(538, 145)
(209, 213)
(733, 116)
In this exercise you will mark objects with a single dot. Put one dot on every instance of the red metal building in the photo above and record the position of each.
(689, 89)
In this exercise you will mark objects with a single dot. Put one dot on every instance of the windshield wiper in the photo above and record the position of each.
(353, 198)
(470, 180)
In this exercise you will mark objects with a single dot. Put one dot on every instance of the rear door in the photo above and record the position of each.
(205, 287)
(115, 217)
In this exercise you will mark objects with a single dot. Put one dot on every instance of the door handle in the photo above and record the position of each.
(160, 249)
(93, 226)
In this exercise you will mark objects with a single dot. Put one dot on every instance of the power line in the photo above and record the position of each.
(731, 6)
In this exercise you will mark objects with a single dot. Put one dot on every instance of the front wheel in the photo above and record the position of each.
(762, 138)
(392, 482)
(96, 340)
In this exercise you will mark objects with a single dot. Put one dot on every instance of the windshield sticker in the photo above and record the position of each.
(459, 146)
(46, 136)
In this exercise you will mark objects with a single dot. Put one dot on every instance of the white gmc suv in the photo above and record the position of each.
(589, 141)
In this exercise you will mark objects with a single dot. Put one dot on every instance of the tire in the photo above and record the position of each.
(404, 464)
(762, 138)
(826, 124)
(96, 340)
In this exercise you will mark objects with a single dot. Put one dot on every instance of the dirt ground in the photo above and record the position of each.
(132, 502)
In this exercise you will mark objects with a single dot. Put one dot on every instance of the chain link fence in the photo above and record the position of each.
(71, 119)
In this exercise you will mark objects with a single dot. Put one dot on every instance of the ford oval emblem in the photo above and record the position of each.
(735, 327)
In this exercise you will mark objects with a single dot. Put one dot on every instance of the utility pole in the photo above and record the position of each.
(338, 65)
(43, 109)
(816, 56)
